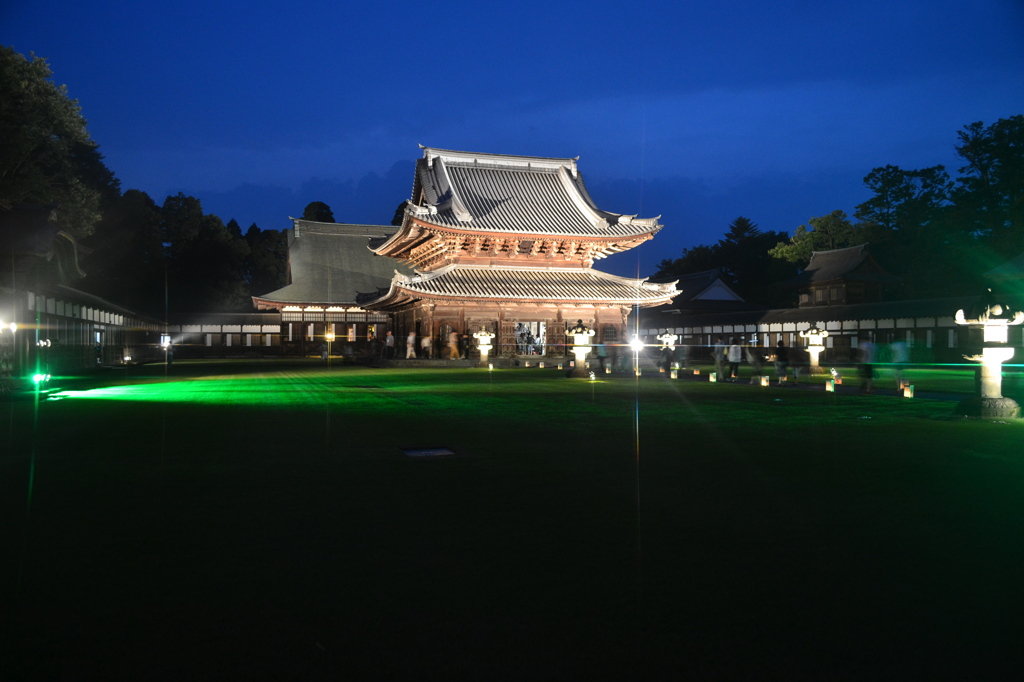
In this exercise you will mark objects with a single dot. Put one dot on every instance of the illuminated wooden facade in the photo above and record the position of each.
(507, 244)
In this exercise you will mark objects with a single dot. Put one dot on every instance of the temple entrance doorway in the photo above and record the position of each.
(444, 342)
(531, 338)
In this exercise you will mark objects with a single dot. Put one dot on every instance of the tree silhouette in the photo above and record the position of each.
(743, 258)
(319, 212)
(46, 154)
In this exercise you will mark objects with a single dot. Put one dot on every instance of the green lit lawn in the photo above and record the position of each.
(257, 521)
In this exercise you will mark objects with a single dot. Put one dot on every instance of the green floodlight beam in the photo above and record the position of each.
(255, 391)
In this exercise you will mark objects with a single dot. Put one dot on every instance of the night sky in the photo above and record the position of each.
(699, 112)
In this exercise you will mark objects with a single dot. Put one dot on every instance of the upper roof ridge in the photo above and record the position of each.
(508, 161)
(858, 247)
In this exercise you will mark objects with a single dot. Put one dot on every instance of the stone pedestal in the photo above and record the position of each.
(989, 408)
(994, 318)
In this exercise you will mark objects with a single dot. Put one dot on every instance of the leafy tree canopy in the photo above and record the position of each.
(989, 196)
(46, 154)
(267, 265)
(833, 231)
(318, 211)
(905, 200)
(125, 261)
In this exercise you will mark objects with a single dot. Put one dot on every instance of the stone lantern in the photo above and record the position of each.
(581, 339)
(483, 343)
(815, 344)
(668, 347)
(995, 319)
(329, 338)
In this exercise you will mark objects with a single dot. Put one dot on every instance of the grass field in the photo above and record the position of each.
(243, 521)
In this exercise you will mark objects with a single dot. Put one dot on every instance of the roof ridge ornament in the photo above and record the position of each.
(417, 210)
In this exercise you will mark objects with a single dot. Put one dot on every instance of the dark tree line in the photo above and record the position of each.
(938, 234)
(743, 257)
(149, 258)
(177, 258)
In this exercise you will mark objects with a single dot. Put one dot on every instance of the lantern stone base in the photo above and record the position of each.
(989, 408)
(580, 371)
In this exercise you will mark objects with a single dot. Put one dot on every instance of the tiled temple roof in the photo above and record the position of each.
(523, 284)
(514, 194)
(331, 264)
(851, 263)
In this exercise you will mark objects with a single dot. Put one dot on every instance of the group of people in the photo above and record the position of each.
(867, 360)
(728, 359)
(795, 357)
(527, 344)
(458, 346)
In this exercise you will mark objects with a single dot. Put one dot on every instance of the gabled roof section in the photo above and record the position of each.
(520, 284)
(851, 263)
(706, 285)
(331, 264)
(505, 194)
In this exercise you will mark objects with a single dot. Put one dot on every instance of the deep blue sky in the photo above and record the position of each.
(697, 111)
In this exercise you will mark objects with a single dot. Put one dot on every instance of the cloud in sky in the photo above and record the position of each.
(716, 134)
(697, 111)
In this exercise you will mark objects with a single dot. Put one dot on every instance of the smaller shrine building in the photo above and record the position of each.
(329, 266)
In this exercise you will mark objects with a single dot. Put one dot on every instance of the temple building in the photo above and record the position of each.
(507, 244)
(329, 266)
(843, 277)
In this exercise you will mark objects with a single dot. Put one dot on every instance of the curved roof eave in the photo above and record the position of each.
(548, 285)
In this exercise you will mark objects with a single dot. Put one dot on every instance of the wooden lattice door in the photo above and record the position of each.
(507, 339)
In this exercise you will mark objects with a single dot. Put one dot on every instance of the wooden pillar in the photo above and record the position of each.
(501, 345)
(556, 335)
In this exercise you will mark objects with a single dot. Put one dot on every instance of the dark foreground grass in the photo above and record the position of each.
(262, 522)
